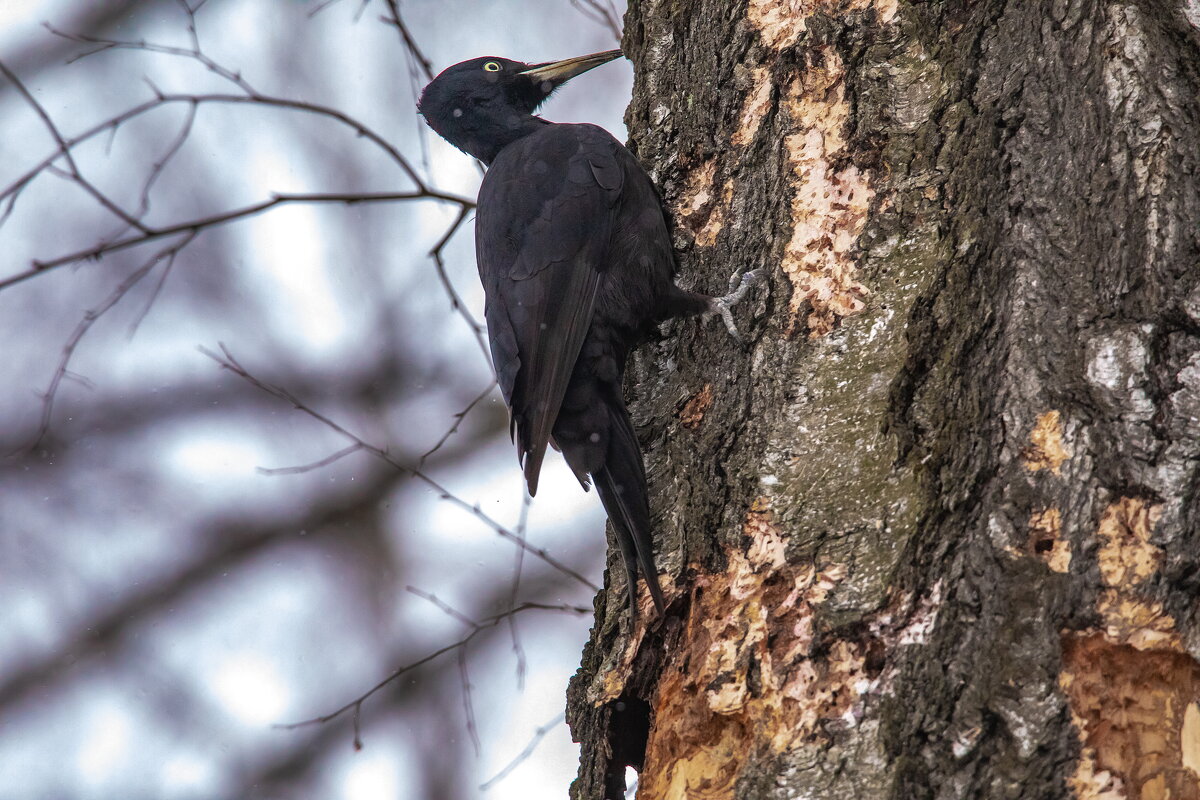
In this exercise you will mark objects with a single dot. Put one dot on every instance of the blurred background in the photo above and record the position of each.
(210, 411)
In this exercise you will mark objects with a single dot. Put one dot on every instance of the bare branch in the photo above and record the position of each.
(141, 316)
(227, 361)
(146, 234)
(194, 226)
(8, 195)
(63, 150)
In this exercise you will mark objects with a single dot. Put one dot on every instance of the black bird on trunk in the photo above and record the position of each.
(577, 265)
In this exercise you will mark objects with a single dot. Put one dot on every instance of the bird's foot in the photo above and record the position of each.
(739, 284)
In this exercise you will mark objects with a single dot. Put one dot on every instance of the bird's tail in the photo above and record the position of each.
(621, 484)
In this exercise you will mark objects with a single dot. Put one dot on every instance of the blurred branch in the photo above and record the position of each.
(486, 623)
(36, 55)
(234, 542)
(394, 18)
(538, 735)
(227, 361)
(237, 541)
(602, 12)
(324, 4)
(125, 414)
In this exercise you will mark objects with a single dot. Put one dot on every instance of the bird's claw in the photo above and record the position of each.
(739, 285)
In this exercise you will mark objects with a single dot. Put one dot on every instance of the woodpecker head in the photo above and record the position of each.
(482, 104)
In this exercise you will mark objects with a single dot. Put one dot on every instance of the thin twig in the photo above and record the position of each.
(227, 361)
(442, 606)
(522, 523)
(468, 706)
(324, 4)
(456, 301)
(487, 623)
(458, 420)
(158, 167)
(410, 43)
(89, 319)
(158, 287)
(324, 462)
(196, 53)
(538, 735)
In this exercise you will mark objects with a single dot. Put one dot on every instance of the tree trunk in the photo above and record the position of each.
(935, 531)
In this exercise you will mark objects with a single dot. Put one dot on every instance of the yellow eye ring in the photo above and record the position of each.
(492, 66)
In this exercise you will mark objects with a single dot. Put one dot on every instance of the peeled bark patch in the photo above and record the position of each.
(1132, 710)
(1126, 554)
(734, 686)
(780, 22)
(1189, 737)
(692, 412)
(829, 204)
(1141, 624)
(1127, 558)
(1046, 450)
(1131, 683)
(701, 209)
(755, 108)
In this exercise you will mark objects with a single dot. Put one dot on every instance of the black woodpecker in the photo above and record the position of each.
(577, 266)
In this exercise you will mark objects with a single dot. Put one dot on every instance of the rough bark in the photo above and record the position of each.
(935, 532)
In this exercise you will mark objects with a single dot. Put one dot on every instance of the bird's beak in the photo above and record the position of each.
(559, 72)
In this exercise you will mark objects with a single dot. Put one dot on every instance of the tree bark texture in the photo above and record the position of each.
(934, 532)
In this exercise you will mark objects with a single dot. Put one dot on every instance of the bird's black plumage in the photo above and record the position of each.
(576, 263)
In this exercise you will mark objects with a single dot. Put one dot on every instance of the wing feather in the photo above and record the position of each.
(543, 232)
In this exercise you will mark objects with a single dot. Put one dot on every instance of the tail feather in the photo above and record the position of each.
(621, 484)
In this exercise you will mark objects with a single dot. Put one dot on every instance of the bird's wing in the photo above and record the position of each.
(542, 236)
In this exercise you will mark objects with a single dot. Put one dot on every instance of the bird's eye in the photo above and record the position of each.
(492, 66)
